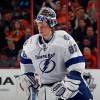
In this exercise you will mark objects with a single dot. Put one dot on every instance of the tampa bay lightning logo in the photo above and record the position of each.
(47, 65)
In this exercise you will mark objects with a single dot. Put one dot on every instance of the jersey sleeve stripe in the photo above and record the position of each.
(25, 61)
(74, 60)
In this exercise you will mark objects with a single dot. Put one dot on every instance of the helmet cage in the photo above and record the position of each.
(48, 15)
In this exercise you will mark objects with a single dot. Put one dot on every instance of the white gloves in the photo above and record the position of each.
(27, 85)
(26, 81)
(66, 89)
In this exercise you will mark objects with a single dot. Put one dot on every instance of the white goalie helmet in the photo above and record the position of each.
(47, 14)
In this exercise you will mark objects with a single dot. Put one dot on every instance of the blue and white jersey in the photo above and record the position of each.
(53, 60)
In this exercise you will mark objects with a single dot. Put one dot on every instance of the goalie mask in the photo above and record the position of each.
(48, 15)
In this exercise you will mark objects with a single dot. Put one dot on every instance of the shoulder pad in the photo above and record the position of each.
(63, 34)
(30, 42)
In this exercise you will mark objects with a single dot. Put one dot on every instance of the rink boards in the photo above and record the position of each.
(9, 89)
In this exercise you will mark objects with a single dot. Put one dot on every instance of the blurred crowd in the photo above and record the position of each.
(82, 25)
(77, 17)
(15, 28)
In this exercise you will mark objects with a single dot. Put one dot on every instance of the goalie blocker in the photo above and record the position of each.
(71, 88)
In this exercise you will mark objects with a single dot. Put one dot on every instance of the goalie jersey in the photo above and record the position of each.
(52, 60)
